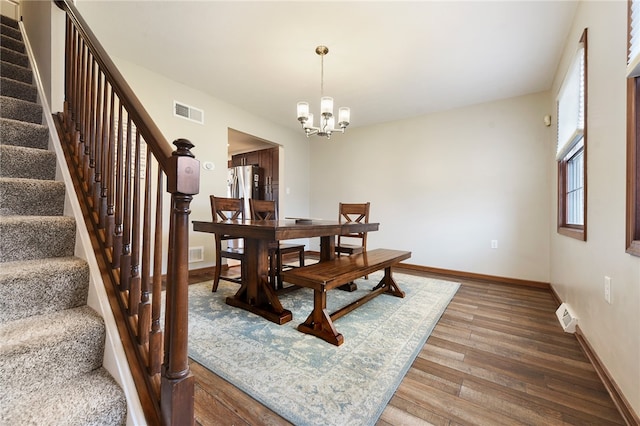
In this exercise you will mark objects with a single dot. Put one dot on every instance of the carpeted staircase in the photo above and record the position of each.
(51, 342)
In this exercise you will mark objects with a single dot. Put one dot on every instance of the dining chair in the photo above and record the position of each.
(357, 213)
(266, 210)
(223, 209)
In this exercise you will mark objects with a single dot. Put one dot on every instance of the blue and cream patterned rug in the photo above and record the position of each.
(305, 379)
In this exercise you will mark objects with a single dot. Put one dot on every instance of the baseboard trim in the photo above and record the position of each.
(474, 276)
(621, 403)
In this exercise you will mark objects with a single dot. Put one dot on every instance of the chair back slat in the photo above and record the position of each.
(223, 209)
(263, 209)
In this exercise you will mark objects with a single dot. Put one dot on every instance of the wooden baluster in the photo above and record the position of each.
(81, 107)
(144, 310)
(68, 43)
(155, 340)
(125, 257)
(117, 196)
(134, 288)
(89, 160)
(75, 77)
(106, 168)
(88, 118)
(75, 132)
(177, 384)
(101, 118)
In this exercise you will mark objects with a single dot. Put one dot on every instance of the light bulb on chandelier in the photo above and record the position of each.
(326, 125)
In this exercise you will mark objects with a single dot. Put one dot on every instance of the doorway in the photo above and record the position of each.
(244, 149)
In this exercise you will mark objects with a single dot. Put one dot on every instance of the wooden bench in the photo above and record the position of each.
(328, 275)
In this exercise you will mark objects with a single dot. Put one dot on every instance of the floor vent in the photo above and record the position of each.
(567, 318)
(196, 254)
(188, 112)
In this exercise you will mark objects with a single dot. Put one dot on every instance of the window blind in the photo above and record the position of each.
(571, 106)
(633, 62)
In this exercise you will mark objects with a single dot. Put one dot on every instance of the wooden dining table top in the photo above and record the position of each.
(282, 229)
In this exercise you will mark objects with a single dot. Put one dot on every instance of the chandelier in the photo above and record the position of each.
(326, 126)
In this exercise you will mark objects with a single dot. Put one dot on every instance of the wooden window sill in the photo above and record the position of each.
(576, 233)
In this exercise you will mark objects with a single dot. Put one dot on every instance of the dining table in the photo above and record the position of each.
(256, 293)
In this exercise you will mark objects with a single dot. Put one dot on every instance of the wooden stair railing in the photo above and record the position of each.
(120, 162)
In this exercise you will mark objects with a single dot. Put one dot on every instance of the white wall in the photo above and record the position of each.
(444, 185)
(578, 268)
(157, 93)
(45, 25)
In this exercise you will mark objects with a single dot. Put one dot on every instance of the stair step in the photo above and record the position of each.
(17, 109)
(14, 57)
(17, 89)
(31, 197)
(8, 21)
(16, 72)
(36, 237)
(93, 398)
(11, 31)
(51, 347)
(27, 163)
(22, 133)
(12, 43)
(36, 287)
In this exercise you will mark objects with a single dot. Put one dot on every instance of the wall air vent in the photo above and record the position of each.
(188, 112)
(567, 318)
(196, 254)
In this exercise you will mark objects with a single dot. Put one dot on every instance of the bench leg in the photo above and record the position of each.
(319, 322)
(390, 284)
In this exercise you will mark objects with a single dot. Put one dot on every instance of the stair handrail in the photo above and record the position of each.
(148, 129)
(105, 130)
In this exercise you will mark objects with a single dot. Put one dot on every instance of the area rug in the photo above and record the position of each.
(303, 378)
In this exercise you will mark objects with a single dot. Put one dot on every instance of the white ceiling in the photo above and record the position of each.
(388, 60)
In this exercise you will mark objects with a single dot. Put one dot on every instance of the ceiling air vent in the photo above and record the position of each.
(188, 112)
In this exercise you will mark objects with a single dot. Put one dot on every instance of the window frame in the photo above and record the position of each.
(632, 233)
(578, 232)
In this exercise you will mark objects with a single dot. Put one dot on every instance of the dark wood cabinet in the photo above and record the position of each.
(246, 159)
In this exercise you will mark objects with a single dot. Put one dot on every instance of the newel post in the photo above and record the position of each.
(177, 384)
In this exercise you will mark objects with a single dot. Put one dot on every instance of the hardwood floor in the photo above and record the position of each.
(497, 357)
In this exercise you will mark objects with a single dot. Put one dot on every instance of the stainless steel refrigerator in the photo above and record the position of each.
(245, 182)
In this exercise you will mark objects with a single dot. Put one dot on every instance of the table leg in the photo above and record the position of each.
(256, 294)
(327, 247)
(319, 322)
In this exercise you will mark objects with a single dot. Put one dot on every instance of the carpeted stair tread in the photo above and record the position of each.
(17, 109)
(14, 57)
(36, 237)
(50, 347)
(17, 89)
(27, 163)
(40, 286)
(22, 133)
(11, 43)
(51, 342)
(10, 31)
(31, 197)
(8, 21)
(16, 72)
(93, 398)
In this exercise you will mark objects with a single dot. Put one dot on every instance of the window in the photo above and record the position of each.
(633, 132)
(571, 152)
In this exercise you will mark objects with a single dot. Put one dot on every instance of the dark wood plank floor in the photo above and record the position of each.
(496, 357)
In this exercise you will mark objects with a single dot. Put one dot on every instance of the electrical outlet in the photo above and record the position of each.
(607, 289)
(494, 244)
